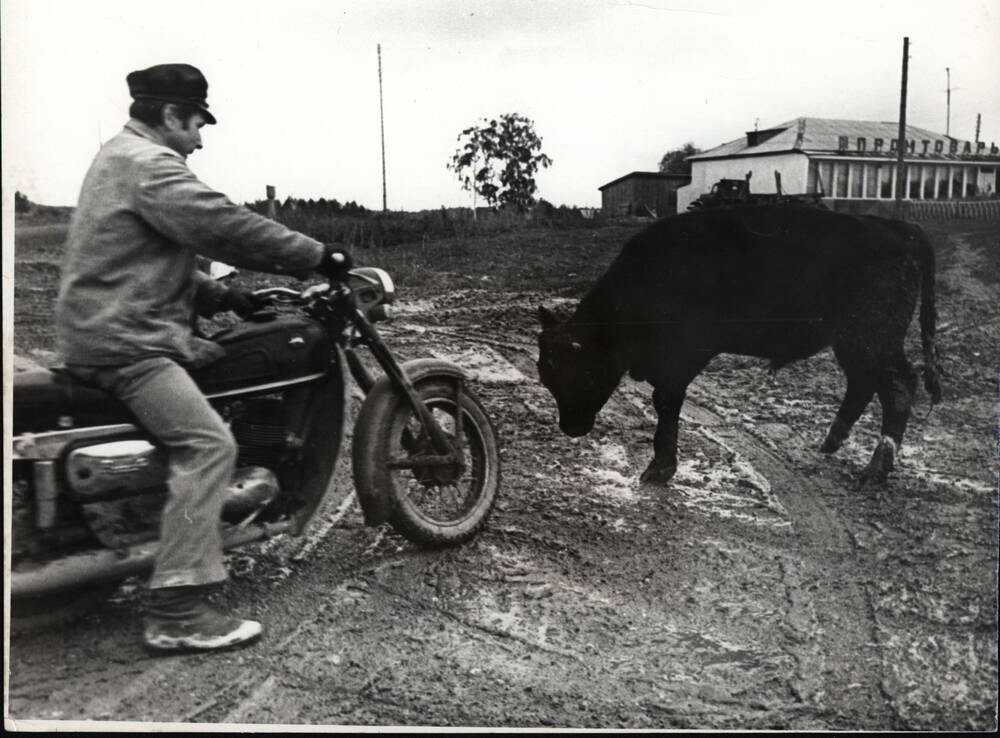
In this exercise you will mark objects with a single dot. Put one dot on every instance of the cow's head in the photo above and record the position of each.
(578, 368)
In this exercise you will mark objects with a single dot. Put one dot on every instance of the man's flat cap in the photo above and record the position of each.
(174, 83)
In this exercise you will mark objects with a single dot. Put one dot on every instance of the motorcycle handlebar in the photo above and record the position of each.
(270, 293)
(286, 294)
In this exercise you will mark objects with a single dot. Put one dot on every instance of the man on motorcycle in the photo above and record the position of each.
(124, 322)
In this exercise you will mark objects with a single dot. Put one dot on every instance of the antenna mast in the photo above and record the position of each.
(381, 119)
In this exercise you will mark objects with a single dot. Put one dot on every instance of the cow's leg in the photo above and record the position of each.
(667, 400)
(897, 384)
(860, 389)
(862, 381)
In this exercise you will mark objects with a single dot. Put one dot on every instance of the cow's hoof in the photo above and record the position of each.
(658, 474)
(839, 430)
(831, 445)
(882, 462)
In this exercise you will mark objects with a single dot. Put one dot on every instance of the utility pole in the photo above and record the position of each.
(947, 124)
(901, 145)
(381, 117)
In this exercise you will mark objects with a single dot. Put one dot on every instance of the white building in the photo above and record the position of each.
(848, 160)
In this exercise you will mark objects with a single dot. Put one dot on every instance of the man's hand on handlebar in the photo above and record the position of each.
(336, 262)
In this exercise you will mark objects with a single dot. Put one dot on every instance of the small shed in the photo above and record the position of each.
(642, 193)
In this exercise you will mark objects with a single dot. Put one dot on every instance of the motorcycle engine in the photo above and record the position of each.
(133, 465)
(261, 431)
(115, 468)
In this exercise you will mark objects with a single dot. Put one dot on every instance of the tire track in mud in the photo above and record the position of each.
(823, 654)
(824, 593)
(850, 650)
(846, 608)
(754, 592)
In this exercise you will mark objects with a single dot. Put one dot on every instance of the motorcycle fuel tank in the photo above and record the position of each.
(267, 353)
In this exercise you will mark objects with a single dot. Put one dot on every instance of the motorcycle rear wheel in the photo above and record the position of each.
(433, 506)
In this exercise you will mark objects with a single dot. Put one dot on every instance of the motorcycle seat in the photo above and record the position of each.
(48, 400)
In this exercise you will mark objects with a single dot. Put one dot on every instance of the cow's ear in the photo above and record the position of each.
(546, 317)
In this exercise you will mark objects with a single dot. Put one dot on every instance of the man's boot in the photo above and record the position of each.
(181, 618)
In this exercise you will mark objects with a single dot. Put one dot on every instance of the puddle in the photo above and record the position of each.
(714, 652)
(485, 364)
(614, 454)
(413, 307)
(729, 492)
(909, 457)
(613, 484)
(519, 570)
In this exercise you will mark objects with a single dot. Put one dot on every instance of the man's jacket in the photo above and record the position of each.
(130, 282)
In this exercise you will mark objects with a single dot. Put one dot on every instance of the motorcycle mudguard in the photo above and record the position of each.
(322, 448)
(376, 503)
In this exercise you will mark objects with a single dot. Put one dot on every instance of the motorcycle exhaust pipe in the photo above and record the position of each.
(81, 570)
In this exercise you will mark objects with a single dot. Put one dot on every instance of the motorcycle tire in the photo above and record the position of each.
(432, 506)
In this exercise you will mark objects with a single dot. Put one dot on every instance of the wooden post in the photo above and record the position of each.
(272, 211)
(901, 148)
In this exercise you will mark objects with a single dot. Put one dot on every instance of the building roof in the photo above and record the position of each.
(824, 136)
(645, 175)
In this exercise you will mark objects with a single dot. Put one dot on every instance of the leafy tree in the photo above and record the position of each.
(21, 203)
(673, 161)
(498, 160)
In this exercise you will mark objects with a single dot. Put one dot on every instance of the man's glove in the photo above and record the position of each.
(336, 262)
(242, 302)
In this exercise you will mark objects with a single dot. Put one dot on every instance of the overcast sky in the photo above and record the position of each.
(610, 85)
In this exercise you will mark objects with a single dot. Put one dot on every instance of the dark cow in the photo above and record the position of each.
(779, 282)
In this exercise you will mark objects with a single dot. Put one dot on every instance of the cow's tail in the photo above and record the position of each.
(928, 317)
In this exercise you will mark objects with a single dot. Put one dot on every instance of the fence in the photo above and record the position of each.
(921, 209)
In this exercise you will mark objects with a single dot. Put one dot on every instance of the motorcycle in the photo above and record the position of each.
(88, 482)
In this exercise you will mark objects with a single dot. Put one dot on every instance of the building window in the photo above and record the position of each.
(941, 176)
(871, 180)
(839, 179)
(972, 187)
(885, 181)
(913, 174)
(857, 172)
(825, 174)
(928, 182)
(988, 180)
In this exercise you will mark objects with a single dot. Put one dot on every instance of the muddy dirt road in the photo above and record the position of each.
(760, 590)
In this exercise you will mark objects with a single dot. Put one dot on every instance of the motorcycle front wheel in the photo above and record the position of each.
(434, 504)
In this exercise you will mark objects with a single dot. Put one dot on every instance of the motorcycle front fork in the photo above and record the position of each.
(446, 447)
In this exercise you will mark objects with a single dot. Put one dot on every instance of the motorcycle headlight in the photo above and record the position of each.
(372, 288)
